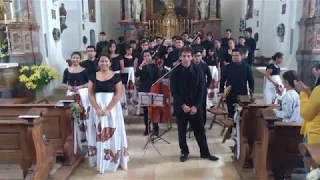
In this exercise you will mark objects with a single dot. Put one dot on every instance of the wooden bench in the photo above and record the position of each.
(57, 127)
(15, 101)
(285, 149)
(312, 151)
(22, 143)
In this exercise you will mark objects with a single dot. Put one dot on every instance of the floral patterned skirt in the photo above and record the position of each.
(107, 144)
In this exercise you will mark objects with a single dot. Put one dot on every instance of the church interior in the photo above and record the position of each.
(42, 121)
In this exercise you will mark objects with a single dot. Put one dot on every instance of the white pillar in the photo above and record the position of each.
(213, 9)
(144, 11)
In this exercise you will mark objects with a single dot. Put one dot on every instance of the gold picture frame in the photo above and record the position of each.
(155, 15)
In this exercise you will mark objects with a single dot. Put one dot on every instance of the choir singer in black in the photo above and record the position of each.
(188, 88)
(237, 74)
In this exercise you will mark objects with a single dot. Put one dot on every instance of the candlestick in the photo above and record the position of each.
(5, 19)
(149, 25)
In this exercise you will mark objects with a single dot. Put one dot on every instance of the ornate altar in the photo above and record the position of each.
(18, 18)
(167, 18)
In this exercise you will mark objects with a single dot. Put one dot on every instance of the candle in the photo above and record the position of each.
(5, 19)
(149, 25)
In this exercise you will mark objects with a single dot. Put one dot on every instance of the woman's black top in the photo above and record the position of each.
(75, 79)
(128, 62)
(107, 86)
(275, 70)
(210, 61)
(115, 63)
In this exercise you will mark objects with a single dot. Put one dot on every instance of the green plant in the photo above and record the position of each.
(4, 48)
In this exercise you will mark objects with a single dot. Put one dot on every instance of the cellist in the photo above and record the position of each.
(148, 74)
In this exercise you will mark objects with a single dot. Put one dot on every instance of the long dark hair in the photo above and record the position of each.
(107, 51)
(290, 76)
(277, 55)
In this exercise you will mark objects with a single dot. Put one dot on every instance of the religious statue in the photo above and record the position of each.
(63, 17)
(170, 21)
(136, 10)
(203, 6)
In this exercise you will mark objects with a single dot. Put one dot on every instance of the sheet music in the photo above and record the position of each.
(150, 99)
(66, 101)
(28, 116)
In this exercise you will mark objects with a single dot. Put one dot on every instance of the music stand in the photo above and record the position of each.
(148, 100)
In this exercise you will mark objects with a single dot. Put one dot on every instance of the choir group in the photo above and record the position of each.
(202, 68)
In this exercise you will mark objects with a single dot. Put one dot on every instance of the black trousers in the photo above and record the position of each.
(230, 106)
(204, 110)
(146, 119)
(196, 123)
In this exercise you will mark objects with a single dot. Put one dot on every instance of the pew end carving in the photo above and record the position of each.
(27, 146)
(312, 151)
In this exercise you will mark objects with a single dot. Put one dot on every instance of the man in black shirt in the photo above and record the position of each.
(251, 43)
(227, 37)
(207, 44)
(103, 43)
(188, 88)
(121, 46)
(220, 52)
(91, 64)
(197, 59)
(185, 38)
(238, 74)
(144, 45)
(174, 55)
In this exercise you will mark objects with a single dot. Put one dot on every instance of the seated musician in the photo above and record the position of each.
(290, 104)
(237, 74)
(197, 59)
(310, 112)
(75, 77)
(148, 74)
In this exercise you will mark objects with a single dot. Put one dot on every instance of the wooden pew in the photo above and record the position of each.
(22, 143)
(15, 101)
(251, 141)
(312, 151)
(285, 149)
(57, 127)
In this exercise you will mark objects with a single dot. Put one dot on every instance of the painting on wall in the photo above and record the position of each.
(284, 6)
(249, 13)
(63, 17)
(180, 6)
(53, 14)
(92, 10)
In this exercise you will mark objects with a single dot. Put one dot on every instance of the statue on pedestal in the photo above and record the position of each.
(203, 6)
(170, 21)
(136, 10)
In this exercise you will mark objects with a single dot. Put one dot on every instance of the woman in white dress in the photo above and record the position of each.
(273, 87)
(290, 104)
(107, 146)
(117, 66)
(214, 66)
(128, 60)
(75, 79)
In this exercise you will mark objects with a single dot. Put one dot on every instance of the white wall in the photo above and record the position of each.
(269, 18)
(71, 37)
(110, 17)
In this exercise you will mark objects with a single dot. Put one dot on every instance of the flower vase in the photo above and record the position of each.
(39, 95)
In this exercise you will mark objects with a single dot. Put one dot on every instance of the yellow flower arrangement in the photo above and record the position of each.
(37, 77)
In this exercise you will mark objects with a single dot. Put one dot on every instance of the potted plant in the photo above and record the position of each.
(4, 54)
(37, 77)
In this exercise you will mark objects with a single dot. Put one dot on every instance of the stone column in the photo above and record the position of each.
(308, 55)
(144, 12)
(127, 9)
(17, 10)
(213, 9)
(196, 10)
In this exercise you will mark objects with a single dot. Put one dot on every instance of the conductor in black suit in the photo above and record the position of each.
(188, 88)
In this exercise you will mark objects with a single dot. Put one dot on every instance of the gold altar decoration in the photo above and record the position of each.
(169, 25)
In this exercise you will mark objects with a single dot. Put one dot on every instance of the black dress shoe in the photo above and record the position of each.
(145, 132)
(183, 157)
(210, 157)
(156, 131)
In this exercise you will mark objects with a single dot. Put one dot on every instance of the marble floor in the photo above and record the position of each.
(148, 164)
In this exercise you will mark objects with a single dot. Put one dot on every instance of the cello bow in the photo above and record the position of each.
(166, 74)
(159, 46)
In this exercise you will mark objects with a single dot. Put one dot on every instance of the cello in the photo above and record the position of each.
(158, 114)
